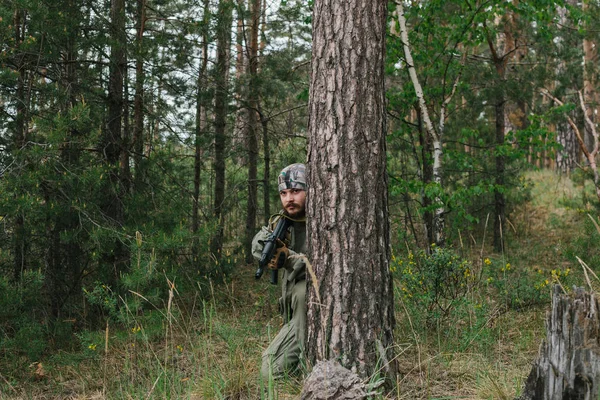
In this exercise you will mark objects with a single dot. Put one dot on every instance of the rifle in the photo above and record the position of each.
(270, 246)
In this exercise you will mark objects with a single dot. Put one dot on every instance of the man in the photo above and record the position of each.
(285, 351)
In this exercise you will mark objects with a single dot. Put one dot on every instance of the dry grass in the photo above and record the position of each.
(212, 349)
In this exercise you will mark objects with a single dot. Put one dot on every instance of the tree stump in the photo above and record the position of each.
(568, 365)
(330, 381)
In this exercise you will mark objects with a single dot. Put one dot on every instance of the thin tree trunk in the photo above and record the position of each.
(568, 156)
(138, 107)
(507, 43)
(20, 137)
(436, 229)
(265, 130)
(201, 124)
(350, 296)
(267, 168)
(221, 98)
(116, 258)
(252, 139)
(241, 118)
(590, 81)
(499, 199)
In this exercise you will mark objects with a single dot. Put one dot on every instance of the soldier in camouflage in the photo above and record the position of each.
(285, 351)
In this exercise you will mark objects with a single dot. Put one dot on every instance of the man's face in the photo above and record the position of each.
(293, 201)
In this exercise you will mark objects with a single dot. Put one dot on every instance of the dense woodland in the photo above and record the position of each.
(140, 143)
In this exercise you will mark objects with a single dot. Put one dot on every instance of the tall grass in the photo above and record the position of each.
(473, 336)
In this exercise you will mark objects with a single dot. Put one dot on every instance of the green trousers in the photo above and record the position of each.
(285, 351)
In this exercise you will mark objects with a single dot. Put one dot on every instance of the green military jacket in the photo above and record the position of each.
(294, 269)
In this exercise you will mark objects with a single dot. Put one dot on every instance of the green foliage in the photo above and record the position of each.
(584, 246)
(434, 283)
(520, 287)
(23, 323)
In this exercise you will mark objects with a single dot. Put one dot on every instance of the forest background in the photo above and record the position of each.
(139, 146)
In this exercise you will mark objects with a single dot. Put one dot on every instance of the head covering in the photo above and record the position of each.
(292, 177)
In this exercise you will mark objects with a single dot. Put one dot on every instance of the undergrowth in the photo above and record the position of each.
(469, 321)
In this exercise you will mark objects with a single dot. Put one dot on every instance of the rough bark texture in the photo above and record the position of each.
(330, 381)
(569, 362)
(350, 301)
(202, 101)
(252, 132)
(138, 100)
(567, 156)
(221, 97)
(112, 140)
(20, 238)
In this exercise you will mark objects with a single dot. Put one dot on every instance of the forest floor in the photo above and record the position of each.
(480, 347)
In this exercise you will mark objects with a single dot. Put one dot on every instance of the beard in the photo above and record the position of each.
(295, 211)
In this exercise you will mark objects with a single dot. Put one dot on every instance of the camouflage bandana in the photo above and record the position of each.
(292, 177)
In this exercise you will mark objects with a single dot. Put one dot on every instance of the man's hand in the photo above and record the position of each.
(281, 254)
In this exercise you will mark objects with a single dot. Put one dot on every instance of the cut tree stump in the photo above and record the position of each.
(568, 365)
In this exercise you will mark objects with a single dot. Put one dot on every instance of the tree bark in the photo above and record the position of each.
(19, 140)
(567, 157)
(267, 168)
(201, 124)
(350, 296)
(138, 106)
(252, 131)
(568, 366)
(65, 259)
(116, 258)
(590, 81)
(507, 44)
(221, 97)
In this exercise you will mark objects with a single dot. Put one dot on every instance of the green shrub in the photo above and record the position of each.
(434, 282)
(22, 323)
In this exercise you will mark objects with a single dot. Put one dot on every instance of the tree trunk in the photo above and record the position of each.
(267, 168)
(568, 366)
(221, 95)
(567, 156)
(252, 139)
(265, 130)
(65, 259)
(590, 81)
(19, 140)
(240, 129)
(138, 107)
(499, 200)
(505, 42)
(201, 124)
(116, 258)
(350, 297)
(436, 229)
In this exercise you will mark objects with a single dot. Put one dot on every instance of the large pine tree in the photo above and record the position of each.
(350, 303)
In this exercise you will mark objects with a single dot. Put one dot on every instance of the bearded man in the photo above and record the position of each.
(285, 351)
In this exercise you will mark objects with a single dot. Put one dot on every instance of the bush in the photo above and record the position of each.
(22, 322)
(434, 282)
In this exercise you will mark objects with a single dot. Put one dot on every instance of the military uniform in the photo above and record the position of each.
(285, 351)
